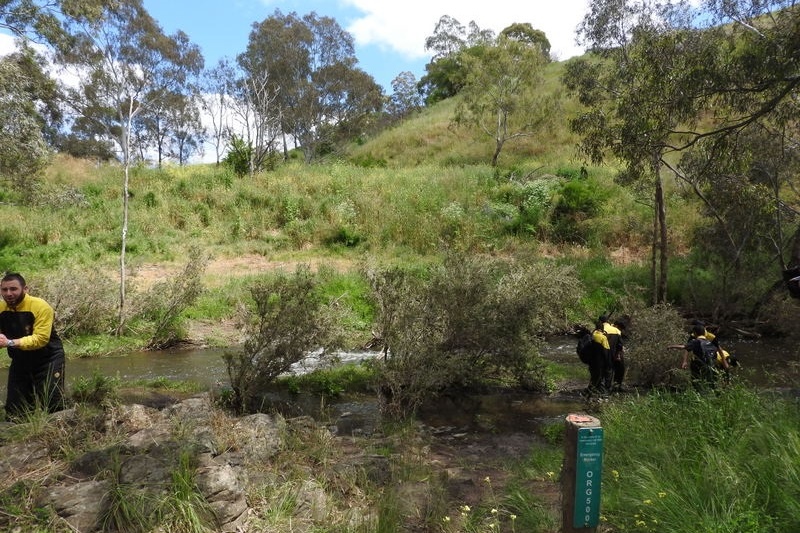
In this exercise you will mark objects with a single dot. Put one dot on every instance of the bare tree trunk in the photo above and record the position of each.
(126, 147)
(661, 208)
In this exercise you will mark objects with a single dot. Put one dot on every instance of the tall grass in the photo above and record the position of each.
(722, 463)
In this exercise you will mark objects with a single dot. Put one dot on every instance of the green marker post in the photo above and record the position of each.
(581, 474)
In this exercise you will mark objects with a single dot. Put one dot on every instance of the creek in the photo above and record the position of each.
(764, 363)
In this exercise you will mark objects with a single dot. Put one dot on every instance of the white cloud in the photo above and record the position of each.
(403, 26)
(7, 44)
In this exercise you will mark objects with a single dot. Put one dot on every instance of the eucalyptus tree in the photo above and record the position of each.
(215, 100)
(450, 42)
(501, 93)
(524, 32)
(41, 20)
(405, 98)
(125, 65)
(624, 85)
(172, 127)
(24, 150)
(311, 69)
(668, 79)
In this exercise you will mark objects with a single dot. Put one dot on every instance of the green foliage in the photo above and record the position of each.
(239, 156)
(288, 321)
(98, 390)
(533, 201)
(349, 293)
(578, 201)
(163, 304)
(468, 321)
(341, 378)
(608, 285)
(731, 469)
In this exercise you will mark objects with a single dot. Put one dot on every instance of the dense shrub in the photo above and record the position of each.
(85, 300)
(650, 363)
(578, 201)
(465, 323)
(288, 320)
(162, 306)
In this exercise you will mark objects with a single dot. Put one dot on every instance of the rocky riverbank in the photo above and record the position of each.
(167, 463)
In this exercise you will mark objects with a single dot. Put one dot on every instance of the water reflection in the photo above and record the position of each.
(770, 362)
(202, 366)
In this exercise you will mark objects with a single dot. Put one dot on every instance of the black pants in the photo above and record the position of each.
(618, 368)
(703, 375)
(598, 371)
(35, 384)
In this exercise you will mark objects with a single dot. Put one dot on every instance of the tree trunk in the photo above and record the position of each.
(126, 159)
(661, 208)
(654, 255)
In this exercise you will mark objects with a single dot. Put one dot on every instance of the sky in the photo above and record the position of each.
(389, 35)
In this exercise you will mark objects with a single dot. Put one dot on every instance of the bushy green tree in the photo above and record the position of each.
(23, 148)
(288, 320)
(465, 323)
(309, 69)
(501, 95)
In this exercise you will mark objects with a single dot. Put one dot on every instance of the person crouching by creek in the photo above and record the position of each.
(36, 374)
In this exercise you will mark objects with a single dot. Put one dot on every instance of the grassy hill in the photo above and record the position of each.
(428, 187)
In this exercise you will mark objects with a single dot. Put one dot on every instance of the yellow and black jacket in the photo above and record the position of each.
(30, 323)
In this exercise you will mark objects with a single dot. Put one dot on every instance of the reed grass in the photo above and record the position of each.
(722, 462)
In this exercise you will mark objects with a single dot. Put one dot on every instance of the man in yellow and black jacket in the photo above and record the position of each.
(36, 374)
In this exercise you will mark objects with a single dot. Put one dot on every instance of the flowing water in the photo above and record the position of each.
(768, 363)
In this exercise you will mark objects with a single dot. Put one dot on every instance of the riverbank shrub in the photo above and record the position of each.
(652, 329)
(467, 322)
(163, 304)
(85, 300)
(288, 319)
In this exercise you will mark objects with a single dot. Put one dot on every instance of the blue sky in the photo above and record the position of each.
(389, 34)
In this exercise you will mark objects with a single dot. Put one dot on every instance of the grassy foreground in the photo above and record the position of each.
(674, 462)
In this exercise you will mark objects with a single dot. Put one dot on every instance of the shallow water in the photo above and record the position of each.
(763, 363)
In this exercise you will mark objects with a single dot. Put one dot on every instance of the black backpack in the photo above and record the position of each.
(708, 352)
(586, 347)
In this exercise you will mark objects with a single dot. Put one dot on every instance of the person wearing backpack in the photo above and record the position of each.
(614, 371)
(596, 356)
(703, 358)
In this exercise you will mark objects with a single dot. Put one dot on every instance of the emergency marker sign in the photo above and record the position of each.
(588, 472)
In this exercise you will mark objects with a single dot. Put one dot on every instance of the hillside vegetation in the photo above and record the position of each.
(401, 197)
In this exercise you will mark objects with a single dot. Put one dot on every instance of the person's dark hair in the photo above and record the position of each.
(698, 330)
(11, 276)
(603, 318)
